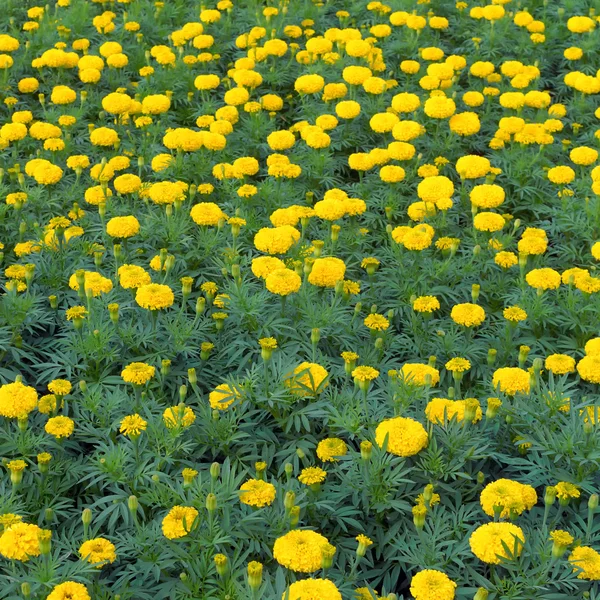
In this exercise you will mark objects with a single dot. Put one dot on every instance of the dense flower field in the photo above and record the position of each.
(299, 300)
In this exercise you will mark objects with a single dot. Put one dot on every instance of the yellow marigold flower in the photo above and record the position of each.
(92, 281)
(9, 519)
(365, 373)
(511, 380)
(431, 583)
(300, 550)
(326, 272)
(561, 538)
(419, 374)
(432, 189)
(283, 282)
(207, 213)
(98, 551)
(178, 416)
(376, 322)
(223, 396)
(458, 364)
(426, 304)
(589, 368)
(506, 259)
(132, 277)
(543, 279)
(76, 312)
(514, 314)
(154, 296)
(586, 561)
(507, 498)
(472, 166)
(60, 427)
(307, 379)
(258, 493)
(179, 521)
(560, 364)
(404, 436)
(312, 476)
(269, 343)
(330, 449)
(566, 490)
(123, 227)
(17, 400)
(60, 387)
(467, 314)
(133, 425)
(440, 410)
(20, 541)
(306, 589)
(561, 175)
(276, 240)
(488, 221)
(489, 542)
(138, 373)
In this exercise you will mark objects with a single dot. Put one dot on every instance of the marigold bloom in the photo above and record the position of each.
(586, 561)
(430, 583)
(488, 542)
(257, 493)
(405, 436)
(300, 550)
(179, 521)
(60, 427)
(511, 380)
(98, 551)
(506, 497)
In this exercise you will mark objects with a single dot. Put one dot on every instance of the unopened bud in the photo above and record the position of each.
(366, 449)
(549, 496)
(211, 503)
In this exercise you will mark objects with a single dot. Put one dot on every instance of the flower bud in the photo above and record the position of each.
(593, 503)
(493, 405)
(289, 470)
(549, 495)
(491, 356)
(260, 467)
(255, 570)
(300, 453)
(53, 302)
(192, 377)
(366, 449)
(419, 512)
(86, 517)
(294, 516)
(523, 354)
(26, 589)
(481, 594)
(480, 478)
(211, 503)
(327, 554)
(48, 515)
(315, 336)
(113, 311)
(221, 562)
(132, 504)
(475, 288)
(215, 471)
(289, 500)
(45, 541)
